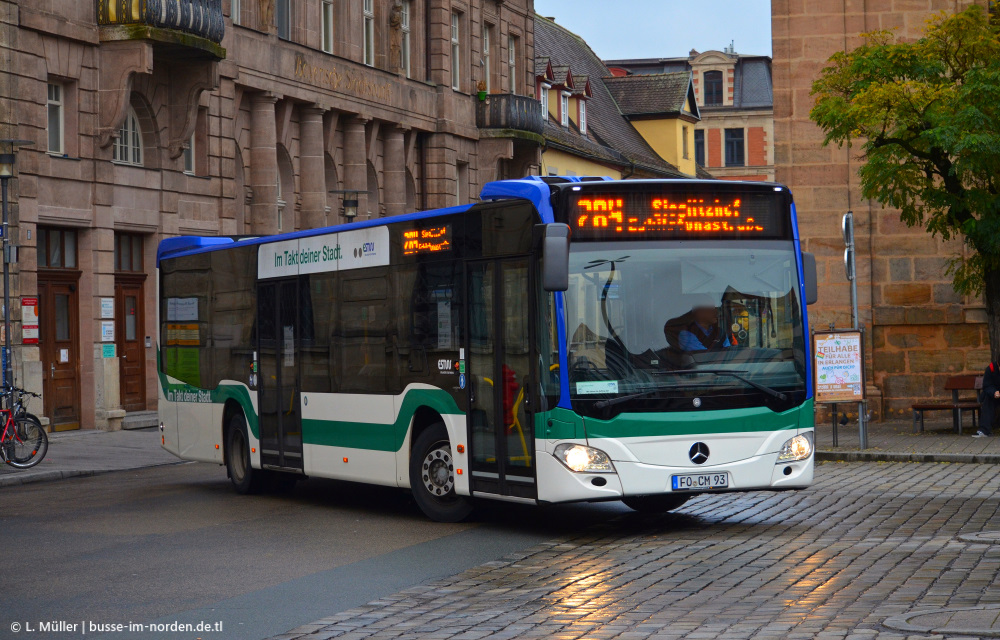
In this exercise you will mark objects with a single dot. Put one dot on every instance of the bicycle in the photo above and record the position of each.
(23, 441)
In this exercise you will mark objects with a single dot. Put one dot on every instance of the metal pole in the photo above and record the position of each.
(8, 369)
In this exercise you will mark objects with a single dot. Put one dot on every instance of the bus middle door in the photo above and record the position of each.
(280, 414)
(500, 374)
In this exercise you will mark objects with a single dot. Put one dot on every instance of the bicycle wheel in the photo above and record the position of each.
(27, 445)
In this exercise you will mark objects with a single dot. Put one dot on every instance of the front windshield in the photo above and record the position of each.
(663, 326)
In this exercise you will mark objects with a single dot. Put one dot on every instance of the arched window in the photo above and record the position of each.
(128, 147)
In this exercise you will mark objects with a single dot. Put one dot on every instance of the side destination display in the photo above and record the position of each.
(329, 252)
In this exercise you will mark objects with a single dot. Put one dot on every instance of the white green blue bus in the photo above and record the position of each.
(561, 340)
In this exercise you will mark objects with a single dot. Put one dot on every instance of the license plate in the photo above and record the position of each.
(700, 482)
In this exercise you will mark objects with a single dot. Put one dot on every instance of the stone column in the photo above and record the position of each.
(355, 160)
(311, 167)
(263, 164)
(394, 172)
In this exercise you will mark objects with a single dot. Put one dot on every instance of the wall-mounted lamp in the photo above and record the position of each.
(350, 201)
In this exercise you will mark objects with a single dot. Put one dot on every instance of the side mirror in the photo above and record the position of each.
(809, 276)
(555, 257)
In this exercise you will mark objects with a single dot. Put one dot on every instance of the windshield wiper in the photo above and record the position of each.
(610, 402)
(733, 374)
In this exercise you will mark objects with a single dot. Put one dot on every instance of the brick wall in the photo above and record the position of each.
(756, 149)
(920, 331)
(714, 143)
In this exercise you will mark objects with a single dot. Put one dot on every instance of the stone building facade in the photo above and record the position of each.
(919, 331)
(735, 138)
(229, 117)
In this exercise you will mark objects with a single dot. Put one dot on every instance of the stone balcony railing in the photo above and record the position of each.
(201, 18)
(508, 111)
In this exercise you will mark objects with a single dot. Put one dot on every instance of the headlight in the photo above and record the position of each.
(583, 459)
(798, 448)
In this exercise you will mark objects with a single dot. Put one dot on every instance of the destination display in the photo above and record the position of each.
(418, 242)
(650, 215)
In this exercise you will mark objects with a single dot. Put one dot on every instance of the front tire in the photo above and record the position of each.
(432, 477)
(656, 504)
(27, 445)
(245, 478)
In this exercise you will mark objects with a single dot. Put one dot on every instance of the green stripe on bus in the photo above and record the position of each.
(219, 395)
(378, 436)
(701, 422)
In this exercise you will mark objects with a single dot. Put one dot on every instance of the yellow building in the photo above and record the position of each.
(586, 130)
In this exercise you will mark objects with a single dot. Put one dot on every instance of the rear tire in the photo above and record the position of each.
(432, 477)
(245, 478)
(656, 504)
(27, 445)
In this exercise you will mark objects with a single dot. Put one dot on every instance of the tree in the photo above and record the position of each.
(927, 115)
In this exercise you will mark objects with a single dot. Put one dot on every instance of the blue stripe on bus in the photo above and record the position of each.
(190, 245)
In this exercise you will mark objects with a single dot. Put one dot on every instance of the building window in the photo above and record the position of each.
(56, 118)
(734, 147)
(713, 87)
(487, 68)
(128, 252)
(543, 97)
(564, 108)
(283, 18)
(404, 25)
(583, 115)
(327, 23)
(684, 135)
(56, 248)
(455, 60)
(512, 63)
(234, 12)
(369, 33)
(189, 157)
(127, 149)
(699, 146)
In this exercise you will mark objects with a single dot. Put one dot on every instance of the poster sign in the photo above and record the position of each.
(107, 307)
(839, 367)
(29, 320)
(107, 330)
(108, 350)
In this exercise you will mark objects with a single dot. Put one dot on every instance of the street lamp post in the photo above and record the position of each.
(350, 201)
(8, 152)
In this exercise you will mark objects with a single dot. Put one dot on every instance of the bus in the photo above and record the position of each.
(561, 340)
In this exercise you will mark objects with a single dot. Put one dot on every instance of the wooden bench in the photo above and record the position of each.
(956, 385)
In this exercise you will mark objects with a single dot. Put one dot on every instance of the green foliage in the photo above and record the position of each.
(928, 115)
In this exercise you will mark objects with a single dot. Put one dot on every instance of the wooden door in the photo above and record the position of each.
(131, 352)
(59, 342)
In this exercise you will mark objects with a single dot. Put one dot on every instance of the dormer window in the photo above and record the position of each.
(564, 108)
(713, 88)
(543, 97)
(583, 116)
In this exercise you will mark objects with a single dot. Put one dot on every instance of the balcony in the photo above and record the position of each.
(196, 26)
(510, 112)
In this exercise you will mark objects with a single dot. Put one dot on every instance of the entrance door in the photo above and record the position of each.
(501, 375)
(129, 343)
(278, 383)
(59, 345)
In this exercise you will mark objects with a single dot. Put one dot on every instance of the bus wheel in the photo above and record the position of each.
(245, 478)
(656, 504)
(432, 477)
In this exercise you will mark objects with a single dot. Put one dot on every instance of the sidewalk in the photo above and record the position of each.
(894, 441)
(89, 452)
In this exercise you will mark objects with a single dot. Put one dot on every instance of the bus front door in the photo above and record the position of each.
(499, 357)
(278, 387)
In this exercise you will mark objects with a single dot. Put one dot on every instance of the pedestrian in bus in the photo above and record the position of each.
(989, 397)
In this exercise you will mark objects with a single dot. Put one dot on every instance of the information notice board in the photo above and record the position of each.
(839, 366)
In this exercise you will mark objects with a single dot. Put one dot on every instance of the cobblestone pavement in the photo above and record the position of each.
(896, 436)
(868, 542)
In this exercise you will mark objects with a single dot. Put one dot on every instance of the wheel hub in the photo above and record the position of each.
(437, 471)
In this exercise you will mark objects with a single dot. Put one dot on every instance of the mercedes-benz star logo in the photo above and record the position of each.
(698, 453)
